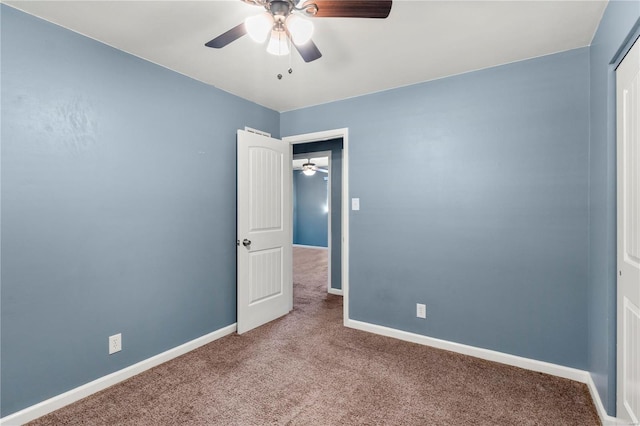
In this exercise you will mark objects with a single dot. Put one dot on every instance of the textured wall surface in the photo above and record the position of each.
(311, 218)
(491, 204)
(118, 208)
(617, 25)
(478, 207)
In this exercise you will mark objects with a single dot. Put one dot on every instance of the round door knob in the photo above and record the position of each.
(246, 242)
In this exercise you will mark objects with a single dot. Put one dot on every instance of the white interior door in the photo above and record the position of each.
(265, 287)
(628, 148)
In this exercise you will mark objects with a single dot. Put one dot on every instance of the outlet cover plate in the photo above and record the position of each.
(421, 310)
(115, 343)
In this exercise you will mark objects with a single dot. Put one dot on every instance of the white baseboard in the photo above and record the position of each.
(45, 407)
(606, 419)
(514, 360)
(336, 291)
(311, 247)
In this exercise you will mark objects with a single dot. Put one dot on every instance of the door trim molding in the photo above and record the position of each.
(323, 136)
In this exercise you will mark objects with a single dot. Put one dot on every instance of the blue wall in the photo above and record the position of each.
(118, 205)
(616, 26)
(478, 206)
(335, 146)
(491, 204)
(311, 219)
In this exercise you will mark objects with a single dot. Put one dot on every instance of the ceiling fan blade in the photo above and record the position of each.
(351, 8)
(322, 170)
(232, 35)
(309, 51)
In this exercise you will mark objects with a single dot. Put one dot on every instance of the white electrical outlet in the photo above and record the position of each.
(115, 343)
(421, 310)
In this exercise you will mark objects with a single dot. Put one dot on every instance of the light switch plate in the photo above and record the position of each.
(355, 204)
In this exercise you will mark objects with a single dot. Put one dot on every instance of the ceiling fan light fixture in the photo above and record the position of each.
(300, 29)
(309, 169)
(278, 44)
(258, 26)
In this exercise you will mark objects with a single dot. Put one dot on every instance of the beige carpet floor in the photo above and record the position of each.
(307, 369)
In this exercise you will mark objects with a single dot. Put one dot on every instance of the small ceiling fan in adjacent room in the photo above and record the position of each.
(283, 23)
(309, 166)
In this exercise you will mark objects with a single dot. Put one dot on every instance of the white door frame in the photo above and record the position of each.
(319, 154)
(323, 136)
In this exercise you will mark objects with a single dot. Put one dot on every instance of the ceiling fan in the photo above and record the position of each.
(283, 22)
(308, 167)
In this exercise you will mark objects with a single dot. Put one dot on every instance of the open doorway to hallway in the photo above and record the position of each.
(317, 206)
(311, 200)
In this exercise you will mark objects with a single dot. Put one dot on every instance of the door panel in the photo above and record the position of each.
(628, 165)
(265, 288)
(265, 274)
(266, 180)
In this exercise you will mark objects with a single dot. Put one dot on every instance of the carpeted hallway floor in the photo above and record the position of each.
(307, 369)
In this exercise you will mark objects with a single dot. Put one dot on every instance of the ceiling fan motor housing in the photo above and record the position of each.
(280, 9)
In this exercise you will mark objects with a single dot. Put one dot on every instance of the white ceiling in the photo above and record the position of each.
(420, 41)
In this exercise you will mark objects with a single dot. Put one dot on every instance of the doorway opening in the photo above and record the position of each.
(312, 211)
(333, 144)
(320, 225)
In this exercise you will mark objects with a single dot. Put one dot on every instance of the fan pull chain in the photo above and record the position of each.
(290, 70)
(290, 50)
